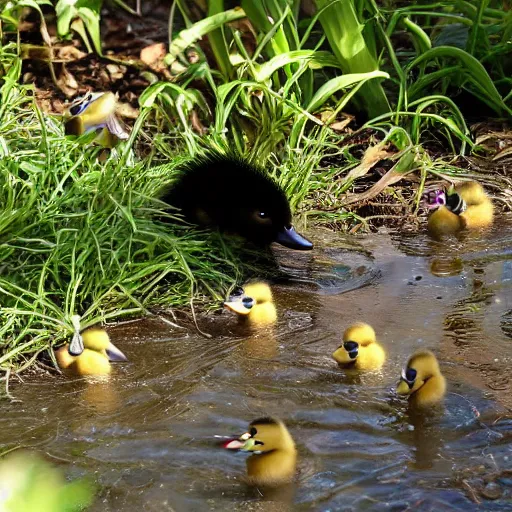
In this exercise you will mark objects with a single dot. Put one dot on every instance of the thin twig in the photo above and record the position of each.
(7, 393)
(166, 321)
(472, 493)
(205, 334)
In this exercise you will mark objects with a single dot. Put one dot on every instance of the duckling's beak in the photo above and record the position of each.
(245, 442)
(242, 305)
(114, 354)
(403, 388)
(76, 347)
(434, 198)
(291, 239)
(405, 385)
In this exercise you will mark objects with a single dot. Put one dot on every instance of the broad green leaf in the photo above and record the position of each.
(344, 31)
(341, 82)
(66, 12)
(454, 34)
(89, 12)
(198, 30)
(317, 59)
(217, 40)
(149, 96)
(472, 69)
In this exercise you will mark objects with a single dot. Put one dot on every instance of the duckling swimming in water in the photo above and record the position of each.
(230, 194)
(467, 206)
(95, 112)
(360, 348)
(422, 380)
(276, 458)
(253, 303)
(98, 352)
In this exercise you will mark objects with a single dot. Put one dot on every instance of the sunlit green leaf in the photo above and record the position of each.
(198, 30)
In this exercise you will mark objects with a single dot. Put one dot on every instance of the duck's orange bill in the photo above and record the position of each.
(233, 444)
(237, 307)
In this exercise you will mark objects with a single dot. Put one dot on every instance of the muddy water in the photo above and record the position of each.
(148, 435)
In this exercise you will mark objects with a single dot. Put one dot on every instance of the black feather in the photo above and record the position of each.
(264, 421)
(232, 195)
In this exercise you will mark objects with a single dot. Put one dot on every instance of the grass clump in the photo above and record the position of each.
(80, 236)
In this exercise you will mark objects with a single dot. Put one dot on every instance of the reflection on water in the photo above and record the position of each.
(148, 434)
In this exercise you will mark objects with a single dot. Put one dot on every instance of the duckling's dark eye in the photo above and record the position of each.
(262, 216)
(410, 374)
(253, 432)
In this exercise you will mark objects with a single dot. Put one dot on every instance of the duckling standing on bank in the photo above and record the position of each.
(94, 360)
(227, 193)
(360, 349)
(95, 112)
(275, 459)
(422, 380)
(253, 303)
(467, 206)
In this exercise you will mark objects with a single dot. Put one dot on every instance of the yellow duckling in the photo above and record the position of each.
(254, 302)
(276, 460)
(467, 206)
(95, 358)
(422, 380)
(96, 112)
(360, 348)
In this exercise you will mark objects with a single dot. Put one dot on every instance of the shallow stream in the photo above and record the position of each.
(148, 435)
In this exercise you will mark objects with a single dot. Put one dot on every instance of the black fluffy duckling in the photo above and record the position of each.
(422, 380)
(360, 349)
(95, 112)
(253, 303)
(228, 193)
(467, 206)
(94, 360)
(274, 459)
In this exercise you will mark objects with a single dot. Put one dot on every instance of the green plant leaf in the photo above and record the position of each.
(316, 59)
(472, 69)
(341, 82)
(198, 30)
(66, 12)
(88, 11)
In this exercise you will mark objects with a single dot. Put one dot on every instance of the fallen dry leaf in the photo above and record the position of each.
(67, 83)
(69, 53)
(340, 126)
(196, 123)
(153, 55)
(502, 154)
(116, 72)
(371, 157)
(126, 110)
(388, 179)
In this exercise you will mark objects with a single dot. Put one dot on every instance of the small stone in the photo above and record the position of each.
(492, 491)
